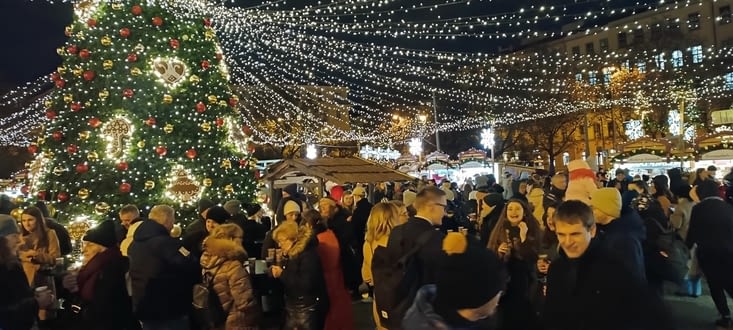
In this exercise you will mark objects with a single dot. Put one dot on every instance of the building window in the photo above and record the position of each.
(696, 54)
(589, 48)
(622, 43)
(638, 36)
(603, 43)
(606, 76)
(592, 78)
(625, 65)
(610, 128)
(576, 51)
(728, 77)
(579, 77)
(660, 61)
(673, 24)
(724, 16)
(693, 21)
(641, 66)
(677, 60)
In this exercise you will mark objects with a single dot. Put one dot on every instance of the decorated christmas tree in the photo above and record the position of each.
(142, 114)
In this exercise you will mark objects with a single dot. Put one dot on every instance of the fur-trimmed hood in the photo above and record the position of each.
(219, 250)
(306, 240)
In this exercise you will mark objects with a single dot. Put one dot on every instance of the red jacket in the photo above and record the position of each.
(340, 315)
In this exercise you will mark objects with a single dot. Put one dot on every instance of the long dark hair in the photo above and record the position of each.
(498, 233)
(41, 230)
(661, 188)
(314, 220)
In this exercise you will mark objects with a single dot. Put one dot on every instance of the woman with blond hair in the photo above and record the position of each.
(40, 244)
(223, 261)
(383, 217)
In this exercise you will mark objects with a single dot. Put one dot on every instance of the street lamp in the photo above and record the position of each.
(487, 140)
(311, 152)
(416, 147)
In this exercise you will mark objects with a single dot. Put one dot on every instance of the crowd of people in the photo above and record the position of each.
(516, 253)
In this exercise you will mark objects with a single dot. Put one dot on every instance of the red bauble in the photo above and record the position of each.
(57, 136)
(33, 148)
(251, 147)
(124, 32)
(51, 115)
(76, 107)
(191, 153)
(89, 75)
(207, 22)
(233, 101)
(161, 150)
(125, 187)
(128, 92)
(82, 168)
(91, 22)
(94, 122)
(55, 76)
(121, 166)
(157, 21)
(136, 10)
(25, 190)
(205, 64)
(132, 57)
(247, 130)
(174, 43)
(257, 174)
(200, 107)
(242, 163)
(219, 122)
(85, 54)
(150, 121)
(72, 149)
(73, 50)
(60, 83)
(41, 195)
(62, 196)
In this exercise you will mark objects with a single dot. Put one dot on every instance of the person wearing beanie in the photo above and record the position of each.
(489, 211)
(466, 291)
(99, 288)
(291, 210)
(290, 193)
(621, 233)
(195, 232)
(216, 215)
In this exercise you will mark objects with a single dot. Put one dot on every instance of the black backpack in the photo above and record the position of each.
(208, 310)
(396, 281)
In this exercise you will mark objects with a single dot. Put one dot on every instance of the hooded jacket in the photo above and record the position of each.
(232, 282)
(162, 276)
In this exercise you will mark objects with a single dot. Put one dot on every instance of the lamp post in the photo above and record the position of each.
(487, 140)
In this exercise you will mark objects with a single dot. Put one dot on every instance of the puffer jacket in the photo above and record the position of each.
(232, 282)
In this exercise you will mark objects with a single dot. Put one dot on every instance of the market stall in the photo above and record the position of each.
(439, 166)
(409, 164)
(646, 156)
(471, 163)
(715, 149)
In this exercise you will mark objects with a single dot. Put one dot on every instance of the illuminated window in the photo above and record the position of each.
(677, 60)
(592, 78)
(660, 61)
(696, 54)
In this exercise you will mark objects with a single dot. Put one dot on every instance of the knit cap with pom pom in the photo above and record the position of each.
(470, 275)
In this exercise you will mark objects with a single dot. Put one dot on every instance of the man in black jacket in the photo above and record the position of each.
(162, 273)
(711, 228)
(587, 290)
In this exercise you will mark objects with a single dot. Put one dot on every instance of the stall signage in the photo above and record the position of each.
(722, 117)
(641, 158)
(718, 154)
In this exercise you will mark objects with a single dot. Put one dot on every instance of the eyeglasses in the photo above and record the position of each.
(445, 206)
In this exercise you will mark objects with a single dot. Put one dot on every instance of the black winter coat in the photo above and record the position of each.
(162, 277)
(596, 292)
(193, 238)
(622, 239)
(404, 237)
(359, 220)
(18, 307)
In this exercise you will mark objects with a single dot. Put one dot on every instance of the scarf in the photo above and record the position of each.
(90, 272)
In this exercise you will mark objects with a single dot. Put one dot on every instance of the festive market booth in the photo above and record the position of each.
(438, 166)
(409, 164)
(645, 156)
(473, 162)
(715, 149)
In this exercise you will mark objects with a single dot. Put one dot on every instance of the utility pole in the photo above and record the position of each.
(435, 120)
(587, 139)
(682, 123)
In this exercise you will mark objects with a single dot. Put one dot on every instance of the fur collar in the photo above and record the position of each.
(217, 250)
(305, 239)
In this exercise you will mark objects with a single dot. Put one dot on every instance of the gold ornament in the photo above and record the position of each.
(206, 126)
(58, 170)
(116, 6)
(185, 37)
(16, 213)
(68, 98)
(135, 71)
(141, 144)
(83, 193)
(182, 187)
(103, 94)
(168, 128)
(77, 72)
(101, 208)
(229, 189)
(19, 200)
(139, 48)
(68, 30)
(84, 135)
(209, 34)
(61, 69)
(51, 210)
(92, 156)
(48, 154)
(226, 164)
(107, 64)
(194, 79)
(88, 104)
(106, 41)
(213, 99)
(167, 99)
(223, 103)
(207, 182)
(60, 51)
(77, 229)
(48, 103)
(149, 185)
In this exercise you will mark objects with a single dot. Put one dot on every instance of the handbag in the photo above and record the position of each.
(208, 311)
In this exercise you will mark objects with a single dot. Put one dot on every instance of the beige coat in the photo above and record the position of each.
(232, 282)
(44, 256)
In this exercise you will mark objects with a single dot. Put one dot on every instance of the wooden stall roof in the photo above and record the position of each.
(339, 170)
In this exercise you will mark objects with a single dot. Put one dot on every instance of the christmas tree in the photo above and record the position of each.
(142, 114)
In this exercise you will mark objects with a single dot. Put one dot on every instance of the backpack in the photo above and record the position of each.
(208, 310)
(672, 254)
(396, 281)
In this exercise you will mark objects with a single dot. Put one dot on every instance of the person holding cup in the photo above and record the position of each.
(18, 303)
(40, 244)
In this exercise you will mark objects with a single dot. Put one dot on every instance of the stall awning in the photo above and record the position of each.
(338, 170)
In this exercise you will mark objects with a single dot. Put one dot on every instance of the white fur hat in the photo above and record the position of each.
(578, 164)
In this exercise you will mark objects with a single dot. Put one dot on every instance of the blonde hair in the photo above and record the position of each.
(286, 230)
(226, 231)
(382, 219)
(161, 213)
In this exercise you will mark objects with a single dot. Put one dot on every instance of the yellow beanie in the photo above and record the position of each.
(607, 200)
